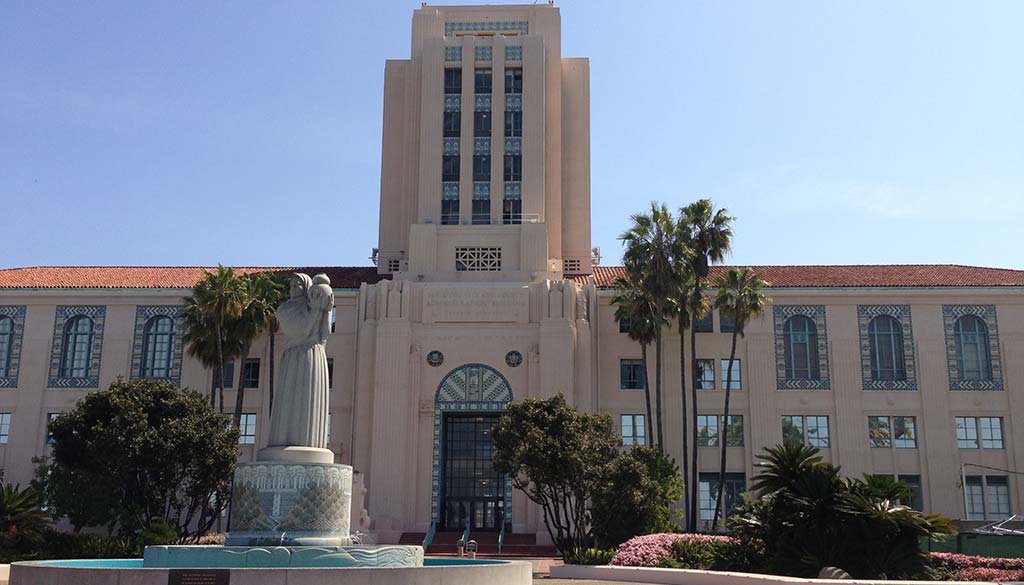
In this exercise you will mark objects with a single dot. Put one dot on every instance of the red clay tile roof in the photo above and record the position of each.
(905, 275)
(839, 276)
(103, 277)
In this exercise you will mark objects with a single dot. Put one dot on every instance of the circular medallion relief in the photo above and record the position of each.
(435, 358)
(513, 359)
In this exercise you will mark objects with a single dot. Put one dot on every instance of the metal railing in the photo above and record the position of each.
(465, 533)
(501, 536)
(429, 538)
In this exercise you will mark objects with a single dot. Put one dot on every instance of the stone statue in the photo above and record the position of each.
(299, 416)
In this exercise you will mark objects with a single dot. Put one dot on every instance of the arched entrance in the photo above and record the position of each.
(465, 488)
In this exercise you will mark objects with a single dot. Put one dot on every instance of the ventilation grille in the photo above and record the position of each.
(572, 266)
(477, 259)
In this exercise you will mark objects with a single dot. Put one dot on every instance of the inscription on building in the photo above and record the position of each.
(476, 305)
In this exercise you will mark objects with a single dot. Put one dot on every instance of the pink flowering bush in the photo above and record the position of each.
(969, 568)
(989, 574)
(648, 550)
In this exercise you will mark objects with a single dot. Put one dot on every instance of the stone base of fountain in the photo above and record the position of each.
(281, 557)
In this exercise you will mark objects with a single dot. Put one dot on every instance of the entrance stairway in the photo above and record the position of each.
(516, 545)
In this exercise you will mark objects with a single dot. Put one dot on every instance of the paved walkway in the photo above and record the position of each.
(549, 581)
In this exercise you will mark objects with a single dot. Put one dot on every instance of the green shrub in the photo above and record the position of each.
(670, 563)
(21, 516)
(741, 557)
(590, 556)
(636, 497)
(694, 554)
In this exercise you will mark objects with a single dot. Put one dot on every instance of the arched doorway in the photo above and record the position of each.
(465, 488)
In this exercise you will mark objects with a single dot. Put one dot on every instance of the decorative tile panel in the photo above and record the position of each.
(481, 191)
(451, 146)
(453, 103)
(468, 388)
(64, 313)
(142, 316)
(453, 54)
(483, 103)
(513, 145)
(501, 26)
(513, 52)
(17, 316)
(817, 314)
(513, 102)
(513, 190)
(902, 314)
(451, 190)
(482, 146)
(483, 52)
(987, 313)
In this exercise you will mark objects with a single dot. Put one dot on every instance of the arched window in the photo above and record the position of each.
(973, 359)
(6, 345)
(801, 348)
(76, 355)
(885, 336)
(157, 347)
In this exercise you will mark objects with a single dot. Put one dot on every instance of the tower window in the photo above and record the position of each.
(513, 124)
(514, 80)
(450, 212)
(513, 167)
(481, 124)
(452, 124)
(453, 81)
(481, 167)
(482, 83)
(481, 211)
(512, 212)
(450, 168)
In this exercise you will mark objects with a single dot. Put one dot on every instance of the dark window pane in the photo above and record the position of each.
(481, 211)
(452, 124)
(450, 212)
(513, 167)
(453, 81)
(514, 80)
(251, 373)
(481, 167)
(483, 81)
(513, 123)
(726, 323)
(512, 211)
(704, 324)
(481, 124)
(450, 168)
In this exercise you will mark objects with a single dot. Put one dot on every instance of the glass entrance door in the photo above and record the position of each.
(473, 490)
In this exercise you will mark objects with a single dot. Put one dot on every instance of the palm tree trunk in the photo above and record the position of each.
(724, 433)
(270, 382)
(658, 352)
(648, 422)
(240, 394)
(696, 300)
(682, 396)
(220, 360)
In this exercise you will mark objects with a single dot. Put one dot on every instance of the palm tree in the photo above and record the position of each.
(707, 233)
(259, 307)
(682, 303)
(741, 297)
(650, 247)
(634, 307)
(217, 297)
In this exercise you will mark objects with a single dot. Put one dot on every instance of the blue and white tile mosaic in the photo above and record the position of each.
(817, 314)
(451, 146)
(450, 190)
(987, 313)
(483, 52)
(513, 190)
(453, 54)
(452, 103)
(482, 146)
(481, 191)
(865, 313)
(142, 316)
(513, 102)
(501, 26)
(468, 388)
(483, 103)
(64, 313)
(16, 313)
(513, 52)
(513, 145)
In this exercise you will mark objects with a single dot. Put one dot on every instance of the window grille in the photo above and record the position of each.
(477, 259)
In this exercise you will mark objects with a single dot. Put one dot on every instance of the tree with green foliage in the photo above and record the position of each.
(216, 298)
(807, 517)
(261, 294)
(138, 454)
(22, 519)
(634, 308)
(642, 486)
(740, 296)
(559, 458)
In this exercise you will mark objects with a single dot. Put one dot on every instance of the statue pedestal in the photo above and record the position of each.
(285, 503)
(295, 455)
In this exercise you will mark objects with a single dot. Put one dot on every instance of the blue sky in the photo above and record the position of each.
(248, 133)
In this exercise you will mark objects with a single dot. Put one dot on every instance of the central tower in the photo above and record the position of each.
(485, 172)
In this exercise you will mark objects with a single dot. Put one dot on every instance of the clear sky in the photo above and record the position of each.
(248, 132)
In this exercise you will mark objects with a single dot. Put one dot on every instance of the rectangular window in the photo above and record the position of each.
(50, 417)
(481, 167)
(450, 167)
(330, 372)
(513, 167)
(991, 432)
(514, 80)
(247, 429)
(735, 382)
(734, 431)
(452, 124)
(512, 212)
(252, 373)
(449, 212)
(328, 427)
(879, 434)
(229, 374)
(704, 324)
(5, 427)
(916, 499)
(477, 259)
(624, 325)
(705, 374)
(974, 494)
(793, 430)
(453, 81)
(633, 430)
(334, 310)
(726, 323)
(483, 83)
(631, 374)
(481, 124)
(513, 124)
(735, 485)
(809, 430)
(997, 496)
(707, 430)
(817, 431)
(481, 211)
(966, 432)
(898, 431)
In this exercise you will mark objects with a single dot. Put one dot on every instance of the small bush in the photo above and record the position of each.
(741, 557)
(693, 553)
(960, 567)
(589, 556)
(669, 563)
(647, 551)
